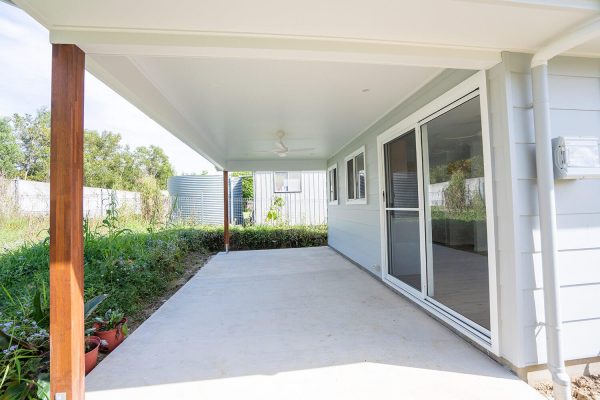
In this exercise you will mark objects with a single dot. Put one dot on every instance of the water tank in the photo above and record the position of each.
(199, 198)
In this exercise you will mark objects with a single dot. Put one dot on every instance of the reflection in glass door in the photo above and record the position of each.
(402, 210)
(453, 173)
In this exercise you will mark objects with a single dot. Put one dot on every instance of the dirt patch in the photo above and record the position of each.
(583, 388)
(192, 264)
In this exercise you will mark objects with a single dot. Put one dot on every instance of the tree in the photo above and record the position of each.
(247, 183)
(25, 151)
(153, 162)
(33, 135)
(10, 152)
(103, 160)
(131, 175)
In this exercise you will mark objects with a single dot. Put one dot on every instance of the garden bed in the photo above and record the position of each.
(582, 388)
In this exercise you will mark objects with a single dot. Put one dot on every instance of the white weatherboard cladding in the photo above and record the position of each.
(575, 111)
(354, 228)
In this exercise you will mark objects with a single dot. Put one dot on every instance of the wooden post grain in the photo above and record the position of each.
(226, 209)
(66, 223)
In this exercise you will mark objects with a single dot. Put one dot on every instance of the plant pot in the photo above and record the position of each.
(113, 337)
(91, 356)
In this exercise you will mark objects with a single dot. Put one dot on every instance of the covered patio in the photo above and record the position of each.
(295, 323)
(303, 86)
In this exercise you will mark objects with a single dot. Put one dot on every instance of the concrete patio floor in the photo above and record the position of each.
(295, 324)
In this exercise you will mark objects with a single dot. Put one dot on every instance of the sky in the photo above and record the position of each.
(25, 87)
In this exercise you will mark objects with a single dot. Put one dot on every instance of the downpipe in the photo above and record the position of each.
(548, 231)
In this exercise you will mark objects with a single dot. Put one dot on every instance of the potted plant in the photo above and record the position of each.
(92, 343)
(112, 328)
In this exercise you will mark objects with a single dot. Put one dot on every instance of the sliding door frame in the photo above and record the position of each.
(443, 103)
(386, 276)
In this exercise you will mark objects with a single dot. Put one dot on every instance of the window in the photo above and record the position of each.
(356, 176)
(332, 177)
(287, 182)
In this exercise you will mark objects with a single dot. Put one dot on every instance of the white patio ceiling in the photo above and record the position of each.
(225, 75)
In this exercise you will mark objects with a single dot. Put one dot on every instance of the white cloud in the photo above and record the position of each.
(25, 86)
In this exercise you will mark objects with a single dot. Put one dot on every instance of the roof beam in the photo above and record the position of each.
(279, 47)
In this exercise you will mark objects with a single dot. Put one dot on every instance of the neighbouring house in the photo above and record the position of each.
(291, 197)
(435, 123)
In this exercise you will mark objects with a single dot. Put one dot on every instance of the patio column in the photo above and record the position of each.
(66, 224)
(226, 209)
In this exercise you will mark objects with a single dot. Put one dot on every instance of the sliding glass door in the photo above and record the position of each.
(457, 262)
(435, 212)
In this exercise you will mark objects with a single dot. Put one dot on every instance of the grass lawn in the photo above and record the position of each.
(15, 231)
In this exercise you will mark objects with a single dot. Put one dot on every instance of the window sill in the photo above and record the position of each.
(356, 201)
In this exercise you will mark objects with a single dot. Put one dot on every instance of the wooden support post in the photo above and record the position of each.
(226, 209)
(66, 224)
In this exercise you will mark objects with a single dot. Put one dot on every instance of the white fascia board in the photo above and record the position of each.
(277, 47)
(280, 164)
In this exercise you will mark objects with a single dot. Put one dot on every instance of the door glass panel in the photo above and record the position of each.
(401, 168)
(457, 265)
(404, 247)
(404, 242)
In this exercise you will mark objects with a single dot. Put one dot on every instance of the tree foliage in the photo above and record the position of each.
(153, 162)
(247, 183)
(25, 153)
(10, 152)
(103, 160)
(33, 135)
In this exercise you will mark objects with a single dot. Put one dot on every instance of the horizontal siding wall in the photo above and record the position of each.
(354, 228)
(307, 207)
(575, 111)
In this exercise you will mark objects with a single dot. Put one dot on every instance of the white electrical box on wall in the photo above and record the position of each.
(576, 157)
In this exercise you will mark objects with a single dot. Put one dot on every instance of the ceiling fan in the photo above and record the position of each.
(281, 149)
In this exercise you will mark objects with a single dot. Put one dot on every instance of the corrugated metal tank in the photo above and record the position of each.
(199, 198)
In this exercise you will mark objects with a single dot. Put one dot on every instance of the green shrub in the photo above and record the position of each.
(255, 237)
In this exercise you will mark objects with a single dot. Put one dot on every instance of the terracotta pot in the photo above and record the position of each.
(91, 356)
(113, 337)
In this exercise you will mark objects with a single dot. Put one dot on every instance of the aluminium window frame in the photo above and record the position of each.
(336, 185)
(288, 174)
(352, 156)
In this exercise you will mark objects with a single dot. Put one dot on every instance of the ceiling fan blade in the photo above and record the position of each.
(279, 144)
(305, 149)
